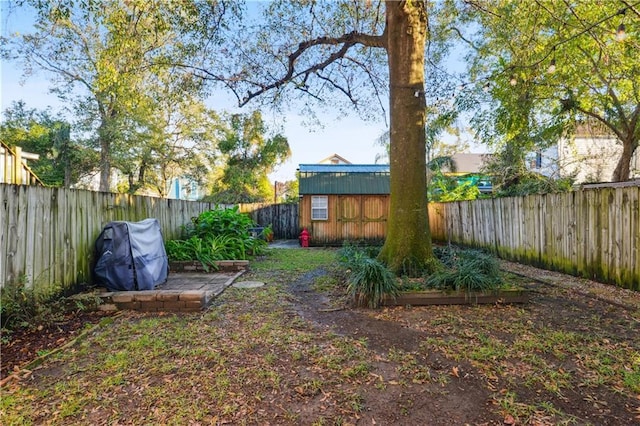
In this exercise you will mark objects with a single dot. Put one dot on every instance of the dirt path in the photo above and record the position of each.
(464, 400)
(458, 391)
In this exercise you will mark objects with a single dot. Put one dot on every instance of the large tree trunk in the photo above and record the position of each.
(622, 171)
(407, 248)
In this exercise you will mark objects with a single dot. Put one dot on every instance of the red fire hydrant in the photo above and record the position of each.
(304, 238)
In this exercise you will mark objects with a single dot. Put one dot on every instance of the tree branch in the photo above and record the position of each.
(347, 41)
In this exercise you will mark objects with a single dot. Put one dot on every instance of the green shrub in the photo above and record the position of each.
(221, 222)
(22, 307)
(216, 235)
(370, 282)
(448, 255)
(468, 270)
(349, 255)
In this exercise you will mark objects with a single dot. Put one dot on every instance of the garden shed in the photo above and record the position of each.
(340, 202)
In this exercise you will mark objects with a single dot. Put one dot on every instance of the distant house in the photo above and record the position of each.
(469, 167)
(341, 202)
(334, 159)
(181, 188)
(591, 155)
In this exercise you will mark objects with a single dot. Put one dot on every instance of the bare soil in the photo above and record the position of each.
(24, 345)
(559, 301)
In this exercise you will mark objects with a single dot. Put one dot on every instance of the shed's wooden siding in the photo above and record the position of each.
(351, 217)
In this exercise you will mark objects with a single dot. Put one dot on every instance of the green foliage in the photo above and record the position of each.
(22, 307)
(267, 233)
(511, 177)
(250, 156)
(528, 105)
(468, 270)
(369, 280)
(62, 161)
(216, 235)
(113, 66)
(447, 188)
(221, 221)
(534, 183)
(351, 253)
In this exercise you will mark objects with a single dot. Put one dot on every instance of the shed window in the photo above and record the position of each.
(319, 207)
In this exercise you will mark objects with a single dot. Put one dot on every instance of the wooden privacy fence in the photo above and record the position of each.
(47, 235)
(283, 218)
(13, 168)
(594, 233)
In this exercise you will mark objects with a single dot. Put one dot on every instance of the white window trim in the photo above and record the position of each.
(319, 205)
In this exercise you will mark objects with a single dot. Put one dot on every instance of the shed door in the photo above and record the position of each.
(349, 217)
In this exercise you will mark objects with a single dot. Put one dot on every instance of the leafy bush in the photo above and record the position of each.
(351, 253)
(216, 235)
(444, 189)
(221, 222)
(370, 280)
(468, 270)
(448, 255)
(21, 307)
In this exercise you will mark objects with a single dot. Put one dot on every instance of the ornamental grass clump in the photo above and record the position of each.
(466, 270)
(370, 281)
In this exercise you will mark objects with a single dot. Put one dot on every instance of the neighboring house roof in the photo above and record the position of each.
(469, 163)
(334, 159)
(329, 179)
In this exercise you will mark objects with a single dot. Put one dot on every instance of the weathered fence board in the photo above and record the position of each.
(47, 234)
(593, 233)
(283, 218)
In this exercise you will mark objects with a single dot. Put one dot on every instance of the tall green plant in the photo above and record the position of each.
(221, 221)
(216, 235)
(370, 280)
(467, 270)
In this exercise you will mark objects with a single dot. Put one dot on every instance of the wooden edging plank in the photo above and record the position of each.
(423, 298)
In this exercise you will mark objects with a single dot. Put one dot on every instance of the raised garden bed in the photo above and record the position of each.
(437, 297)
(220, 266)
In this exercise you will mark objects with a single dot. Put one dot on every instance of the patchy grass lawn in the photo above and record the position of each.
(292, 353)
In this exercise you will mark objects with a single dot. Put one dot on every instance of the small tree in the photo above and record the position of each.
(249, 156)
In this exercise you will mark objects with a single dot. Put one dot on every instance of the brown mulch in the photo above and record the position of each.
(25, 345)
(604, 292)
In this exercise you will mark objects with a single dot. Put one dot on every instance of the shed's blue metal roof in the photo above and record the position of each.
(344, 168)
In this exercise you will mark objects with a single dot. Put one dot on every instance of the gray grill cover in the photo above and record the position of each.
(131, 256)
